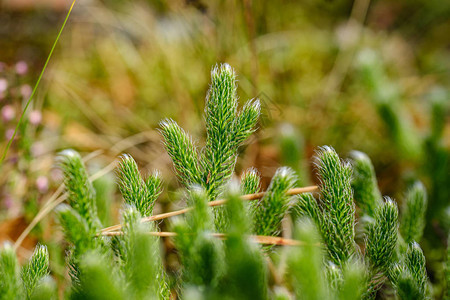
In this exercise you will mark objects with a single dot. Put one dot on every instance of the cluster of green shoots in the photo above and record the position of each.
(228, 251)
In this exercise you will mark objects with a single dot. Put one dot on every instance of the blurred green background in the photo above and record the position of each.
(367, 75)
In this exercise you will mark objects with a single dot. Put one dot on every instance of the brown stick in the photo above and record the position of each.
(260, 239)
(249, 197)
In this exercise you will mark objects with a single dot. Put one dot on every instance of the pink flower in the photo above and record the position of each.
(8, 113)
(35, 117)
(3, 85)
(42, 184)
(21, 67)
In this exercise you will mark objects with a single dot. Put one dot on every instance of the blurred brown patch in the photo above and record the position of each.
(10, 231)
(32, 4)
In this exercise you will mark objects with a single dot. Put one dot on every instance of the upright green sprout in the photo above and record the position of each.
(410, 276)
(336, 214)
(81, 193)
(381, 240)
(271, 209)
(226, 130)
(135, 190)
(413, 217)
(250, 181)
(364, 184)
(36, 269)
(21, 283)
(382, 236)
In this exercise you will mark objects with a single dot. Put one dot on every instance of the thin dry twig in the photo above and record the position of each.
(260, 239)
(248, 197)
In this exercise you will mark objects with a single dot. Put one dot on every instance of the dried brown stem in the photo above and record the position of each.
(260, 239)
(248, 197)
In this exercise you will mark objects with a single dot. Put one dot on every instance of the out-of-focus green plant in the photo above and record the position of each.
(313, 279)
(25, 282)
(426, 150)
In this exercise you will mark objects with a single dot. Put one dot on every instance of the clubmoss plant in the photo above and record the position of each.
(364, 184)
(22, 283)
(336, 214)
(272, 208)
(226, 130)
(201, 254)
(135, 190)
(413, 217)
(315, 279)
(384, 250)
(217, 249)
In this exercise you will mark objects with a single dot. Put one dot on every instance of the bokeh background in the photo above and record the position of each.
(367, 75)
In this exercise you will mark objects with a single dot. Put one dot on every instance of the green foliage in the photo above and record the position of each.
(142, 194)
(9, 273)
(250, 181)
(200, 253)
(81, 193)
(76, 230)
(246, 275)
(292, 151)
(413, 213)
(385, 96)
(312, 279)
(35, 270)
(226, 130)
(447, 270)
(46, 290)
(364, 184)
(219, 257)
(306, 264)
(338, 209)
(99, 279)
(410, 276)
(306, 205)
(271, 209)
(181, 149)
(141, 259)
(382, 237)
(26, 282)
(354, 282)
(105, 188)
